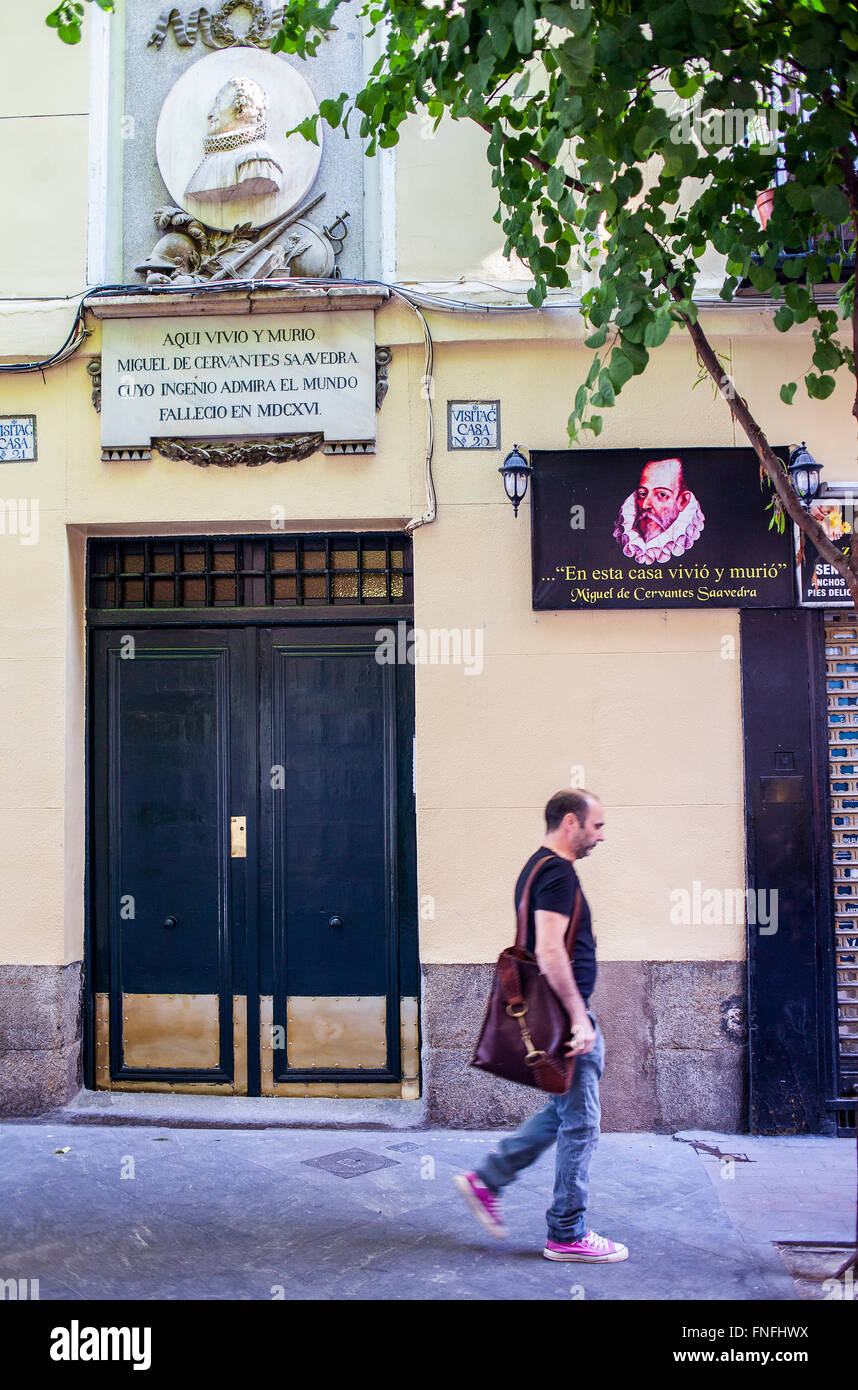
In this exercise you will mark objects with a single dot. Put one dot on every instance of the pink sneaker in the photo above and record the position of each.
(483, 1203)
(590, 1249)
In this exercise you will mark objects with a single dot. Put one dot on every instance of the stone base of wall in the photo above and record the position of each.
(40, 1036)
(676, 1051)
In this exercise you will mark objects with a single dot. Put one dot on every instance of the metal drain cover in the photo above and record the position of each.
(350, 1163)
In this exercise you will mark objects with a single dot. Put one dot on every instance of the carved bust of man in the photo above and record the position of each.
(237, 165)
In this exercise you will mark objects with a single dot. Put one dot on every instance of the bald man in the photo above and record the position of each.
(661, 519)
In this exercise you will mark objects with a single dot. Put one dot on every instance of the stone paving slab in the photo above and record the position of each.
(796, 1187)
(234, 1214)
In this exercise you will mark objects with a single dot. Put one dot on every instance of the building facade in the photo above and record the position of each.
(280, 712)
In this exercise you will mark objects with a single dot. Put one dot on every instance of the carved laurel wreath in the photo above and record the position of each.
(228, 455)
(214, 29)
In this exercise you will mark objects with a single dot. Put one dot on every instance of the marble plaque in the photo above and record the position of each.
(238, 376)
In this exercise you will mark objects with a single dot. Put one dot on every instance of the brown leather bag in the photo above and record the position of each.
(526, 1029)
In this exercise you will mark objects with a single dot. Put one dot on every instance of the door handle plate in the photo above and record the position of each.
(238, 837)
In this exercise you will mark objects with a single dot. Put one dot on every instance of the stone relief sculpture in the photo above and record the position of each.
(213, 27)
(237, 163)
(238, 206)
(188, 253)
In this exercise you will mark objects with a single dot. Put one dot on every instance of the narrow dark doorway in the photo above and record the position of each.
(790, 972)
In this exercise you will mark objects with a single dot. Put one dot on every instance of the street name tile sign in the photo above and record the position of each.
(473, 425)
(17, 438)
(235, 376)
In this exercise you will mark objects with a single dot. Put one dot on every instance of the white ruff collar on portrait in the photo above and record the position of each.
(666, 545)
(237, 165)
(231, 139)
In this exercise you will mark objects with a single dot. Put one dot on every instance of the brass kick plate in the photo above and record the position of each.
(238, 836)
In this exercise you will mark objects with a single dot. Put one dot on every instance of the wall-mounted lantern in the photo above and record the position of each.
(804, 472)
(515, 471)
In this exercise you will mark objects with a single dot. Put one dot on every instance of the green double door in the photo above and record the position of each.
(253, 924)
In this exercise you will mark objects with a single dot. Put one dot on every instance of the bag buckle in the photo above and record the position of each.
(534, 1056)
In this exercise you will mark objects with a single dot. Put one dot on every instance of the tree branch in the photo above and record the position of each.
(769, 460)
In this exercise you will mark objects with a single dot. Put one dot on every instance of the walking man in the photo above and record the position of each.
(573, 824)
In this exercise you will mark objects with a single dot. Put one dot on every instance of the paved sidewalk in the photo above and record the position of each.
(246, 1214)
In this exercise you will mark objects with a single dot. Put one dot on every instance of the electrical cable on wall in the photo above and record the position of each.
(410, 296)
(428, 388)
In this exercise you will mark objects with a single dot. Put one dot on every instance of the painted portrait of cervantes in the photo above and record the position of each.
(222, 143)
(661, 519)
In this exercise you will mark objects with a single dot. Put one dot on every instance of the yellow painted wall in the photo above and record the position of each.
(43, 234)
(646, 703)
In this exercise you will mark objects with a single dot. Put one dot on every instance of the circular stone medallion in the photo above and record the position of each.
(221, 141)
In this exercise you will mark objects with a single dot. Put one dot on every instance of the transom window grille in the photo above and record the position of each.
(250, 571)
(841, 667)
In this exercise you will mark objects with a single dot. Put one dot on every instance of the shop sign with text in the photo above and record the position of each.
(297, 373)
(820, 585)
(655, 528)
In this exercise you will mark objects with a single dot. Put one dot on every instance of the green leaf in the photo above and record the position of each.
(331, 110)
(580, 399)
(784, 319)
(606, 390)
(576, 58)
(797, 297)
(788, 391)
(500, 37)
(830, 202)
(597, 339)
(556, 182)
(827, 357)
(619, 369)
(819, 387)
(657, 330)
(762, 277)
(685, 85)
(523, 28)
(637, 355)
(797, 196)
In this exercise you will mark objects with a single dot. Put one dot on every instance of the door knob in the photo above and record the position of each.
(335, 922)
(170, 922)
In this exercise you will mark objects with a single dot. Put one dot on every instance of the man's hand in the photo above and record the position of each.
(583, 1038)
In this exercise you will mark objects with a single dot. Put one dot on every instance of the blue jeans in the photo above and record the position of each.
(573, 1120)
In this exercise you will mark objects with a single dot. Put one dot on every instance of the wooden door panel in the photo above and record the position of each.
(169, 748)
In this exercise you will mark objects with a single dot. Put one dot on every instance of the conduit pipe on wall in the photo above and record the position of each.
(427, 392)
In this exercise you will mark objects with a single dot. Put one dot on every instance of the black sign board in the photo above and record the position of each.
(819, 583)
(656, 528)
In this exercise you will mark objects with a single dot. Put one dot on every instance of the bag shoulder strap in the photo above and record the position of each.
(523, 910)
(574, 923)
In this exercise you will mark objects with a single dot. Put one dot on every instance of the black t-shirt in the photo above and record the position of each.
(553, 890)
